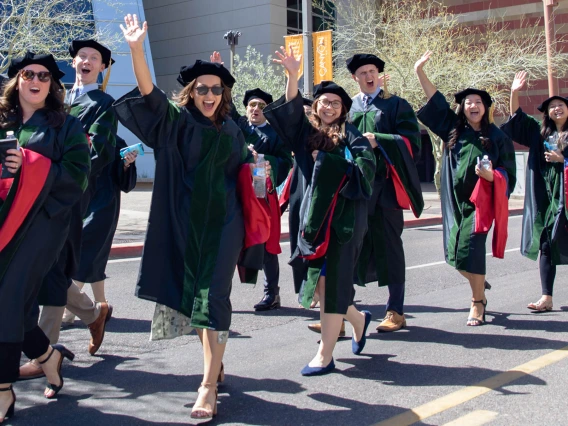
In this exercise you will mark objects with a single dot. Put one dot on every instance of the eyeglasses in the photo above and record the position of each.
(203, 90)
(335, 104)
(28, 75)
(259, 105)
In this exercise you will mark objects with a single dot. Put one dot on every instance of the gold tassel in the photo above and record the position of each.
(106, 77)
(491, 112)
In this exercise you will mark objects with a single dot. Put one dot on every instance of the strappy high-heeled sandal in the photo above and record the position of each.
(65, 353)
(476, 322)
(208, 413)
(10, 412)
(541, 306)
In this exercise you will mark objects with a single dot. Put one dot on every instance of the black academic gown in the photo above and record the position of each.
(195, 229)
(26, 260)
(94, 110)
(101, 219)
(289, 121)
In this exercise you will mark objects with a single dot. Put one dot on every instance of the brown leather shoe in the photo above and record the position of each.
(31, 370)
(316, 327)
(97, 328)
(392, 322)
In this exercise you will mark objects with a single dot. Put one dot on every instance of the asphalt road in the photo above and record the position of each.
(433, 364)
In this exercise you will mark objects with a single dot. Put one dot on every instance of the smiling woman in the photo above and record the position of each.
(196, 226)
(469, 135)
(51, 170)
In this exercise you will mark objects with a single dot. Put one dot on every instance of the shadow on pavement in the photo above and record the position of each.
(384, 369)
(471, 340)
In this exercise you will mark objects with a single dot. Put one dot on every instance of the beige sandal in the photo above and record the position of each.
(200, 411)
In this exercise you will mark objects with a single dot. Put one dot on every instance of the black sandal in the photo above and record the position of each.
(65, 353)
(475, 321)
(10, 412)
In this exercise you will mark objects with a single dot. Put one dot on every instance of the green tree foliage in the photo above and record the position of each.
(251, 71)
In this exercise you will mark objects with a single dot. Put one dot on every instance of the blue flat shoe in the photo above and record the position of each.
(318, 371)
(357, 347)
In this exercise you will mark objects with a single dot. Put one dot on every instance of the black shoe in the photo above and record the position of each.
(269, 301)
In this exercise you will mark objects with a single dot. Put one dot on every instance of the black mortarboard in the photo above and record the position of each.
(257, 93)
(357, 61)
(29, 58)
(199, 68)
(330, 87)
(77, 45)
(460, 96)
(544, 106)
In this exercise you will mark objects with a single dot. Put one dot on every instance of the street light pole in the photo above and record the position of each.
(549, 31)
(232, 38)
(308, 54)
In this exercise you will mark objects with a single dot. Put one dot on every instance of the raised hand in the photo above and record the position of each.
(422, 61)
(216, 58)
(133, 33)
(288, 61)
(384, 78)
(520, 81)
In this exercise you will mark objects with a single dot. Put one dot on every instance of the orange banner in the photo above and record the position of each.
(323, 66)
(297, 44)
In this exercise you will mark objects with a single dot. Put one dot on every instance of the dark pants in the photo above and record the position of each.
(271, 270)
(35, 344)
(547, 269)
(392, 222)
(396, 298)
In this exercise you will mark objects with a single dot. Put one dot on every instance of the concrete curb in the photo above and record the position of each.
(135, 249)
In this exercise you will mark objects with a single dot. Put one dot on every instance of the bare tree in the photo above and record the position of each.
(251, 71)
(484, 56)
(47, 26)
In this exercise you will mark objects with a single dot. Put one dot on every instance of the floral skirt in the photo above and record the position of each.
(169, 324)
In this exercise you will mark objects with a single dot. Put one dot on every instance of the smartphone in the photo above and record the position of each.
(5, 145)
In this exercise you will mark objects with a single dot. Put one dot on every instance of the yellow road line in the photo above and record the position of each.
(476, 418)
(463, 395)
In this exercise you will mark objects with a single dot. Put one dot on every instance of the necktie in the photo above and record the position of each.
(367, 100)
(73, 93)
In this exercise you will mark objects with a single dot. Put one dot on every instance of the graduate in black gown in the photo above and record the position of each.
(334, 167)
(546, 188)
(196, 227)
(50, 174)
(93, 107)
(262, 139)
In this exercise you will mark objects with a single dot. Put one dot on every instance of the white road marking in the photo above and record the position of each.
(475, 418)
(129, 259)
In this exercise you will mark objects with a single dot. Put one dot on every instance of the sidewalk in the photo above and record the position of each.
(135, 207)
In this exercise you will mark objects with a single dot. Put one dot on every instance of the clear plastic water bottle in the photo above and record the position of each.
(485, 162)
(259, 177)
(10, 143)
(552, 142)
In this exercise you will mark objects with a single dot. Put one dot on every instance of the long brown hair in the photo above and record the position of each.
(10, 109)
(183, 99)
(326, 137)
(548, 127)
(462, 121)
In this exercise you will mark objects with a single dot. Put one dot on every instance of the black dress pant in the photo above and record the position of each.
(546, 268)
(271, 270)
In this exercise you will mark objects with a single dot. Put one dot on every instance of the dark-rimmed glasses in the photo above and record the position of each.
(335, 104)
(28, 75)
(203, 90)
(259, 105)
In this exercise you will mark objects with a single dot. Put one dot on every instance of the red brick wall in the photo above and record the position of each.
(532, 13)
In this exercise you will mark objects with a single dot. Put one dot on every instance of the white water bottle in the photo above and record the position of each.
(485, 163)
(259, 177)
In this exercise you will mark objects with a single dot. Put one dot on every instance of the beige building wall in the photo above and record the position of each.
(182, 31)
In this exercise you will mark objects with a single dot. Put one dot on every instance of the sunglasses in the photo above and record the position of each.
(28, 75)
(259, 105)
(203, 90)
(335, 104)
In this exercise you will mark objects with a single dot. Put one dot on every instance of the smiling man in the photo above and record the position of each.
(391, 126)
(93, 107)
(262, 139)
